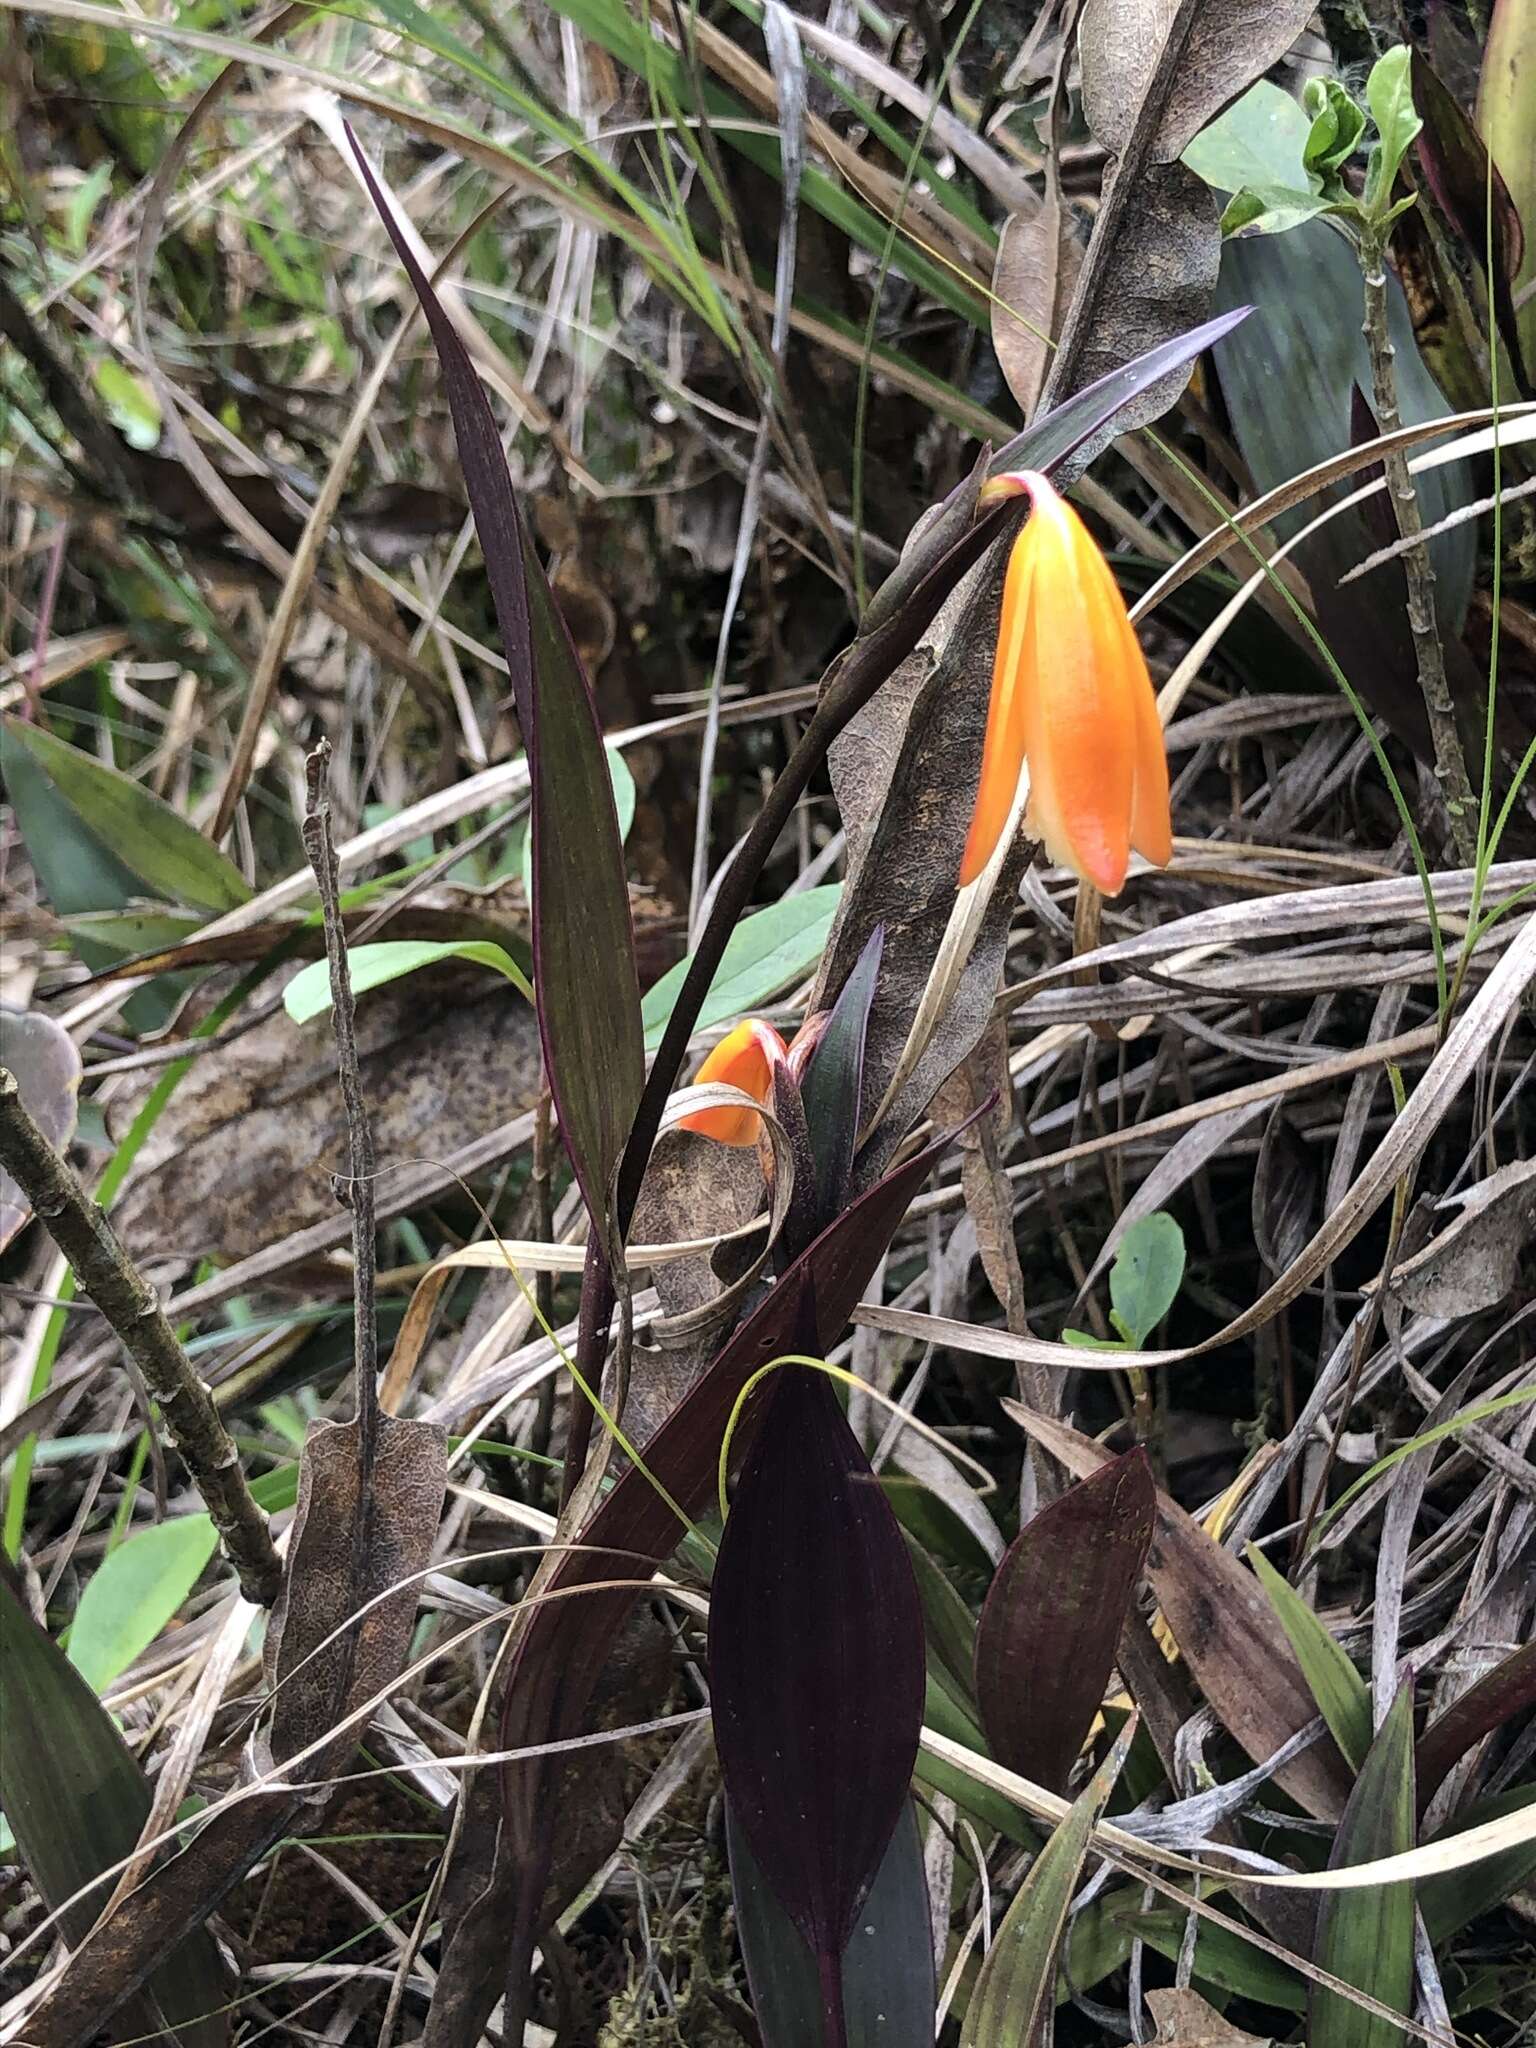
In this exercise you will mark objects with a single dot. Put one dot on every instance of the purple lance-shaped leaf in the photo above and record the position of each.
(583, 941)
(1454, 159)
(816, 1668)
(889, 1987)
(1506, 1689)
(1046, 1640)
(834, 1080)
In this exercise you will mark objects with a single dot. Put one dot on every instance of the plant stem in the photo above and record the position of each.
(103, 1268)
(1450, 760)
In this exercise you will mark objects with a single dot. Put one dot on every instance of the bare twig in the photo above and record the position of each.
(357, 1190)
(86, 1238)
(1450, 760)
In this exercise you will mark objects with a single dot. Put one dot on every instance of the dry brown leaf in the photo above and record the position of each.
(1472, 1264)
(243, 1153)
(1185, 2020)
(356, 1536)
(1039, 259)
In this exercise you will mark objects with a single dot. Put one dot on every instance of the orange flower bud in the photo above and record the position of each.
(1071, 697)
(745, 1058)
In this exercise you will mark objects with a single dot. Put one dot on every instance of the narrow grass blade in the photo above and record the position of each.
(583, 940)
(1046, 1641)
(1365, 1937)
(1342, 1695)
(1017, 1982)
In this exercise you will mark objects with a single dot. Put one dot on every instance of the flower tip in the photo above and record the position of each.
(745, 1058)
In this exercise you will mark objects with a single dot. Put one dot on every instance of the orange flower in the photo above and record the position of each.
(1072, 697)
(745, 1058)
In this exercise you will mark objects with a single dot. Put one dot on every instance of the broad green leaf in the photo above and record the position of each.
(132, 406)
(309, 992)
(76, 1801)
(1365, 1936)
(767, 952)
(134, 1592)
(1342, 1695)
(1456, 1898)
(1273, 209)
(140, 835)
(1336, 127)
(1389, 94)
(1222, 1958)
(1017, 1982)
(623, 804)
(1146, 1274)
(1258, 141)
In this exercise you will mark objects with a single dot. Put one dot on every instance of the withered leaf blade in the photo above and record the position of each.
(889, 1989)
(76, 1801)
(1472, 1264)
(1365, 1937)
(1186, 2020)
(816, 1666)
(1045, 1644)
(583, 940)
(1498, 1696)
(1038, 262)
(1226, 1631)
(1287, 1192)
(357, 1534)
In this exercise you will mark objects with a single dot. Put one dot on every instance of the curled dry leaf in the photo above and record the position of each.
(46, 1063)
(1473, 1262)
(1039, 260)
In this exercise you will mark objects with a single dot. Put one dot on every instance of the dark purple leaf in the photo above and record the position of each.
(1508, 1689)
(1049, 1627)
(1456, 168)
(583, 941)
(889, 1989)
(567, 1640)
(816, 1667)
(834, 1079)
(1050, 440)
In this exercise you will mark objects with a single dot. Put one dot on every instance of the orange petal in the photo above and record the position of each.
(745, 1058)
(1151, 823)
(1002, 749)
(1080, 718)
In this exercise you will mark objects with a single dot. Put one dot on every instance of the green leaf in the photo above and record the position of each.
(1258, 141)
(1274, 209)
(1084, 1340)
(766, 952)
(309, 992)
(1342, 1695)
(1389, 94)
(1222, 1958)
(1365, 1936)
(134, 1592)
(623, 804)
(77, 1801)
(1337, 126)
(131, 405)
(1146, 1274)
(1017, 1982)
(129, 830)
